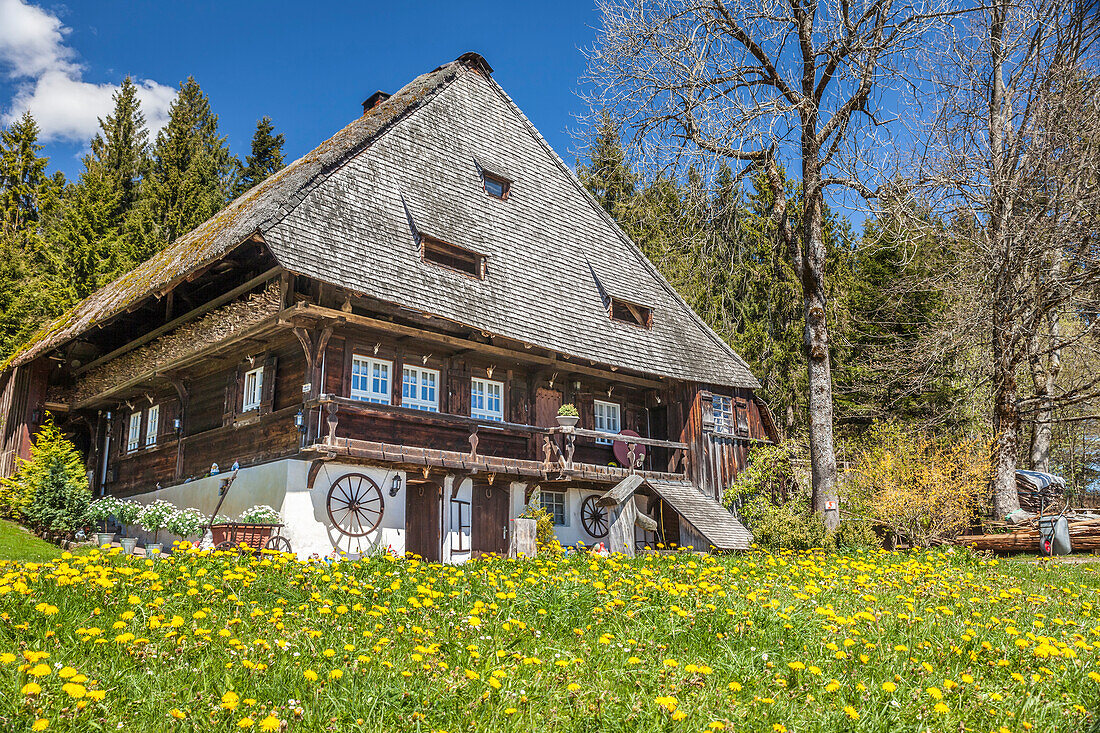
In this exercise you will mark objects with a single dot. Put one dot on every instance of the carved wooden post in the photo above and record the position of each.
(548, 450)
(473, 442)
(330, 439)
(570, 439)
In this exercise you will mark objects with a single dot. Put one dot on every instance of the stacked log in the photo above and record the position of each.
(1084, 535)
(1033, 498)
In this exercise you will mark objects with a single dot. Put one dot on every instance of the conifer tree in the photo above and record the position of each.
(91, 230)
(191, 176)
(26, 192)
(606, 175)
(51, 489)
(29, 201)
(266, 157)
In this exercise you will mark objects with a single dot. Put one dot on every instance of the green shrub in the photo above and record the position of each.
(50, 491)
(853, 534)
(771, 505)
(568, 410)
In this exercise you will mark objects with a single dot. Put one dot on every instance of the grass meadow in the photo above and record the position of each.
(876, 641)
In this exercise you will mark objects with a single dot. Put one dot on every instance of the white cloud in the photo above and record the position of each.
(32, 49)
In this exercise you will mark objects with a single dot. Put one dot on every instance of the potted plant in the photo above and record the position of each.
(184, 523)
(127, 513)
(154, 518)
(100, 511)
(568, 417)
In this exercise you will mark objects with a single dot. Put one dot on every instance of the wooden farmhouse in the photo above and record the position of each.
(381, 335)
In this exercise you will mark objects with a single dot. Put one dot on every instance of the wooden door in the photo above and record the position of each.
(490, 519)
(422, 515)
(547, 402)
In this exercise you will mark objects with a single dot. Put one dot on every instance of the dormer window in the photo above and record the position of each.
(452, 257)
(632, 313)
(496, 186)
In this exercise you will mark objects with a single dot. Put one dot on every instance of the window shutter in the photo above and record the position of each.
(267, 390)
(458, 389)
(583, 403)
(232, 396)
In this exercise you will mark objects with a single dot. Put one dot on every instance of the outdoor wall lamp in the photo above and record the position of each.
(395, 484)
(300, 421)
(177, 424)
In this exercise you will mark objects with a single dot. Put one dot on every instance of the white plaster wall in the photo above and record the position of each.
(282, 485)
(573, 531)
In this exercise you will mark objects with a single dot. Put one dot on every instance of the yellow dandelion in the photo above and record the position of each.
(41, 724)
(270, 723)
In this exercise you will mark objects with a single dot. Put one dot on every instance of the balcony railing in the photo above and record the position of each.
(555, 457)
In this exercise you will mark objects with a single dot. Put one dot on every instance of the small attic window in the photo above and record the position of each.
(632, 313)
(496, 186)
(452, 257)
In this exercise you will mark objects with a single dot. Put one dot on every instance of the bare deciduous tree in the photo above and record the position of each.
(757, 83)
(1011, 158)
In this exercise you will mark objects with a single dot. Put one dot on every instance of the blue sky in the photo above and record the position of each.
(306, 65)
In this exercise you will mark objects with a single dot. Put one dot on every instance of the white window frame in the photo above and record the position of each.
(378, 389)
(722, 409)
(481, 395)
(549, 500)
(133, 436)
(607, 418)
(424, 387)
(152, 425)
(252, 394)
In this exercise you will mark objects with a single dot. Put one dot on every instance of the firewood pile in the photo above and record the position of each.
(1084, 534)
(1032, 497)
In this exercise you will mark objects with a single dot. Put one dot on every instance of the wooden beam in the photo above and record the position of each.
(302, 309)
(201, 310)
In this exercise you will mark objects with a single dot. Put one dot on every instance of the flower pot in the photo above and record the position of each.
(128, 544)
(104, 538)
(568, 421)
(153, 548)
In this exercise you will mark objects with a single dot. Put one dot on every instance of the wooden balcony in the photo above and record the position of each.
(499, 448)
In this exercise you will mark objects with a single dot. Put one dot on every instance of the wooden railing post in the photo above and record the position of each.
(330, 439)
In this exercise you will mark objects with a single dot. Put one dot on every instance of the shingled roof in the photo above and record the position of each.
(350, 213)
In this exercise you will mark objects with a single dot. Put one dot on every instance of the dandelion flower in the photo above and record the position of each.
(230, 700)
(889, 686)
(310, 675)
(851, 712)
(270, 723)
(41, 724)
(40, 670)
(31, 688)
(941, 708)
(244, 723)
(177, 713)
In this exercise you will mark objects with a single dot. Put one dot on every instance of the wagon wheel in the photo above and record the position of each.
(355, 505)
(227, 545)
(594, 517)
(278, 543)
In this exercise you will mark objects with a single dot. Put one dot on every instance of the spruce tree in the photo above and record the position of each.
(191, 176)
(50, 490)
(30, 290)
(91, 230)
(26, 192)
(266, 157)
(606, 175)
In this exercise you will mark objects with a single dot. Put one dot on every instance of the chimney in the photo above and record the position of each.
(374, 100)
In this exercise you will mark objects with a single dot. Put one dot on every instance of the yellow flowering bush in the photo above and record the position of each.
(925, 487)
(759, 642)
